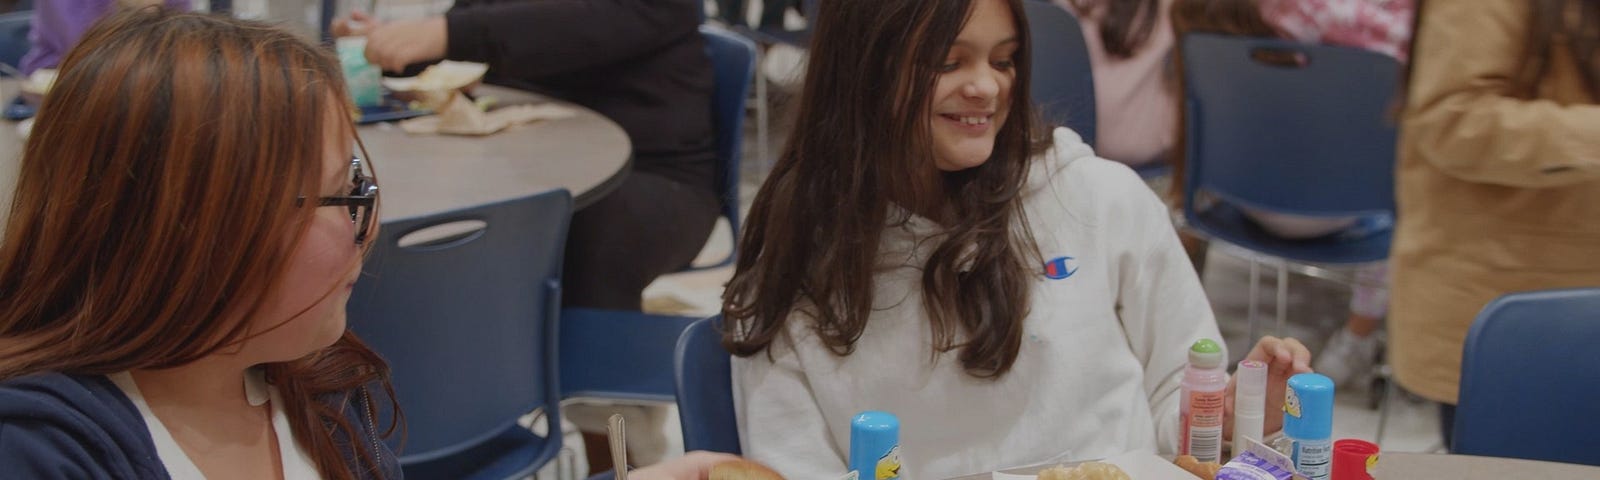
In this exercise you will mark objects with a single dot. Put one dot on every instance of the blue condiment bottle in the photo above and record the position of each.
(875, 446)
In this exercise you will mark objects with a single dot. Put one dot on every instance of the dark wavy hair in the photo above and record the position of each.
(1573, 22)
(157, 203)
(861, 136)
(1125, 25)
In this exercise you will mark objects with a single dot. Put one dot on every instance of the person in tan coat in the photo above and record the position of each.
(1498, 177)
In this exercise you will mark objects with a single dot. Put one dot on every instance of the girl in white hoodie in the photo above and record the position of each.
(923, 247)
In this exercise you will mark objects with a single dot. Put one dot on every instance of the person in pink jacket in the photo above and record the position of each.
(1136, 99)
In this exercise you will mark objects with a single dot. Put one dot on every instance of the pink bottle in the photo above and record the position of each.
(1205, 382)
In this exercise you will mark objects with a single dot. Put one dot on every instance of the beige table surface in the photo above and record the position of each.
(1424, 466)
(421, 174)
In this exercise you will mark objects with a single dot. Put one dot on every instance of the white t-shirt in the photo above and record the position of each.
(1098, 373)
(296, 463)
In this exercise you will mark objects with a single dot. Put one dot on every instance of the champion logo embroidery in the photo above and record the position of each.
(1059, 268)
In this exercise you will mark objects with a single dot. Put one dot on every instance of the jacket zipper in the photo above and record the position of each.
(372, 428)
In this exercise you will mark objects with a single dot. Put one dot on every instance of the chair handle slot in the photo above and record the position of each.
(443, 236)
(1280, 57)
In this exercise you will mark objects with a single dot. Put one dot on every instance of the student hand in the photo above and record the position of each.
(393, 46)
(1285, 358)
(692, 466)
(357, 24)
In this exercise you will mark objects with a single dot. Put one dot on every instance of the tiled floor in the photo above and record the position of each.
(1315, 309)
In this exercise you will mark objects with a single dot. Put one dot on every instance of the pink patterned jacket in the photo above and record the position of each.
(1382, 26)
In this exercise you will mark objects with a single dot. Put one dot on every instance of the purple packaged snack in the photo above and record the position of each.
(1250, 467)
(1258, 462)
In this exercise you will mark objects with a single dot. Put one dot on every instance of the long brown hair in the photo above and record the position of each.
(1125, 25)
(860, 141)
(157, 204)
(1576, 23)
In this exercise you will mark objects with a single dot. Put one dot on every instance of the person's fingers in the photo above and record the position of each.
(1258, 351)
(374, 55)
(1301, 355)
(339, 27)
(382, 49)
(357, 24)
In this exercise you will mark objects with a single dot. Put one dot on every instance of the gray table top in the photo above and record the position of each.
(587, 154)
(420, 174)
(1425, 466)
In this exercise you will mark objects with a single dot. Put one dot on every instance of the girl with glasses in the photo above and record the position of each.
(187, 227)
(173, 306)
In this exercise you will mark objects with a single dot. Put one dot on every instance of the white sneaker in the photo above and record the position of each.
(1347, 359)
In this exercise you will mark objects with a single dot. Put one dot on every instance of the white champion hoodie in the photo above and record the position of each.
(1098, 373)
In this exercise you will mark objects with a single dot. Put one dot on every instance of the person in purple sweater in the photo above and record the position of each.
(57, 24)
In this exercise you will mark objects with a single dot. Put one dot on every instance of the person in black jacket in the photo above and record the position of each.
(643, 64)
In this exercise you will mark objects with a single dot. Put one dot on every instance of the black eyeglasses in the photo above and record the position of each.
(361, 200)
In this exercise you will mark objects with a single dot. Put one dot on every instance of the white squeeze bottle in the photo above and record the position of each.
(1204, 384)
(1249, 403)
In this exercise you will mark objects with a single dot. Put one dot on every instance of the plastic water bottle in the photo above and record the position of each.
(1204, 384)
(1308, 424)
(362, 79)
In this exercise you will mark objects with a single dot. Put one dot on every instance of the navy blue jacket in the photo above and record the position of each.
(55, 426)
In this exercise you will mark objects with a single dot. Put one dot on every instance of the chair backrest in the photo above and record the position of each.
(14, 43)
(1289, 127)
(591, 367)
(467, 322)
(705, 389)
(733, 61)
(1062, 82)
(1530, 377)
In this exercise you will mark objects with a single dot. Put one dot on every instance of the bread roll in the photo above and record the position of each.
(743, 470)
(1085, 471)
(1206, 470)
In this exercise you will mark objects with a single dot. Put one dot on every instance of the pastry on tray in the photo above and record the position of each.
(1085, 471)
(1204, 470)
(743, 470)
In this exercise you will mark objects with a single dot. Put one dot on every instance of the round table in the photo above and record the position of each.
(1423, 466)
(421, 174)
(587, 154)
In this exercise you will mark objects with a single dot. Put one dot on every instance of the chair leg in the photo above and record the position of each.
(1283, 297)
(763, 116)
(1255, 294)
(1385, 405)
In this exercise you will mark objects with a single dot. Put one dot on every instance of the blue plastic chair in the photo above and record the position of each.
(591, 367)
(1530, 377)
(14, 43)
(1312, 139)
(733, 61)
(468, 324)
(705, 389)
(1062, 82)
(588, 370)
(1290, 128)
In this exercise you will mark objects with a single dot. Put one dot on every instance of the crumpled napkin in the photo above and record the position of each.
(460, 116)
(438, 88)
